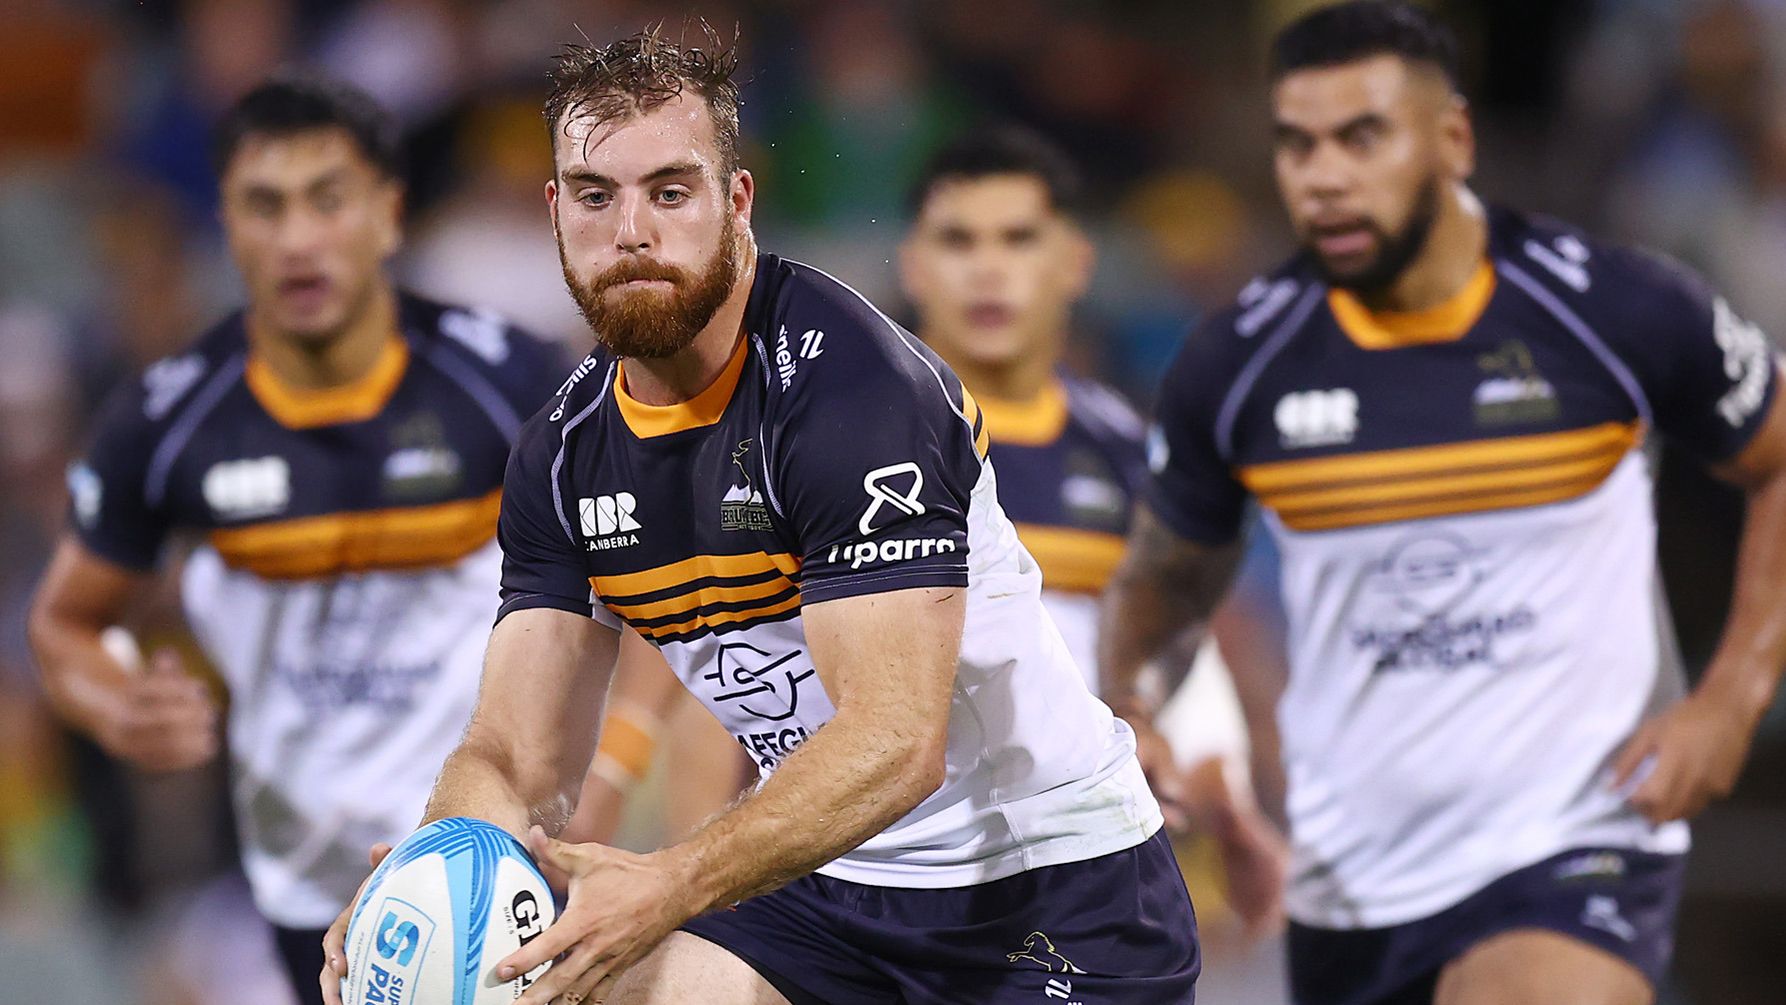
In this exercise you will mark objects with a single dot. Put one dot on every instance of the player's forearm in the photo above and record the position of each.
(81, 679)
(849, 782)
(483, 780)
(1746, 670)
(1164, 589)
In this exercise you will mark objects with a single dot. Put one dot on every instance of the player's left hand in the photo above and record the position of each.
(621, 905)
(1682, 759)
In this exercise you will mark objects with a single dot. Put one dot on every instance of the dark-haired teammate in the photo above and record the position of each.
(787, 494)
(1440, 408)
(993, 264)
(336, 450)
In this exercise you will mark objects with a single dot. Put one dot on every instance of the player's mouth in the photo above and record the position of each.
(1348, 239)
(990, 315)
(305, 292)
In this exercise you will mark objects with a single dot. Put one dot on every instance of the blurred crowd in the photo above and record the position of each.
(1658, 121)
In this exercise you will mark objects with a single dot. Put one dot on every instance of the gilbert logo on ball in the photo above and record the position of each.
(440, 912)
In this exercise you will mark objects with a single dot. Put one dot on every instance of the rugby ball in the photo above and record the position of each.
(447, 905)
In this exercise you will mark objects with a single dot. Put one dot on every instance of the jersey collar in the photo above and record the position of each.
(307, 408)
(703, 409)
(1446, 322)
(1034, 422)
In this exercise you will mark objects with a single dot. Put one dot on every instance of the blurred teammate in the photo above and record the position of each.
(787, 494)
(993, 264)
(336, 451)
(1440, 407)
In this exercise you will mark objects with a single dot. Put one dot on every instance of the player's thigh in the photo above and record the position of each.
(1537, 967)
(687, 968)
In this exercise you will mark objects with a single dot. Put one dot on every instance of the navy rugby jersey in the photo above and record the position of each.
(835, 456)
(1070, 466)
(1468, 545)
(345, 568)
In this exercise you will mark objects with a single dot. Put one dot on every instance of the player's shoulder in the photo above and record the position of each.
(1269, 309)
(1103, 412)
(480, 337)
(205, 370)
(1559, 263)
(821, 338)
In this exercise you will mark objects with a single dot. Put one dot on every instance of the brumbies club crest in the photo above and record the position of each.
(742, 506)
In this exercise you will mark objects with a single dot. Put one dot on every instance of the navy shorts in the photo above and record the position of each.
(1617, 900)
(1115, 929)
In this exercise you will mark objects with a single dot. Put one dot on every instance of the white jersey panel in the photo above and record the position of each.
(347, 694)
(1456, 686)
(1023, 729)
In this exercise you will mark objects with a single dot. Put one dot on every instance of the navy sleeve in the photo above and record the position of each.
(1709, 374)
(107, 489)
(874, 465)
(541, 564)
(1193, 490)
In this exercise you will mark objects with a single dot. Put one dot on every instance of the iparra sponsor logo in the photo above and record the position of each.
(608, 520)
(883, 486)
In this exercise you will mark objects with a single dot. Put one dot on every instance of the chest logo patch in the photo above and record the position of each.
(240, 490)
(608, 521)
(1317, 418)
(1512, 390)
(741, 508)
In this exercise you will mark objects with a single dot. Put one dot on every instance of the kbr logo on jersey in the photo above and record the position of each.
(608, 521)
(1317, 418)
(890, 495)
(238, 490)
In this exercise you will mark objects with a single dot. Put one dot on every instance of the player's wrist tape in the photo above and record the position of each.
(628, 740)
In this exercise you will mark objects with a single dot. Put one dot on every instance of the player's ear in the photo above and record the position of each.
(744, 195)
(913, 280)
(1458, 136)
(1082, 260)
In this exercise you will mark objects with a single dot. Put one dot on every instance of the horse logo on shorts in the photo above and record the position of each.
(1039, 949)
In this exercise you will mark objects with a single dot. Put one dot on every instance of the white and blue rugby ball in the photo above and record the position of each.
(447, 905)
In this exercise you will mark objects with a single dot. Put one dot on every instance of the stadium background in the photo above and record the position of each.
(1649, 120)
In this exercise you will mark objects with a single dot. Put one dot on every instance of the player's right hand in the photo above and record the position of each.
(164, 719)
(1164, 776)
(334, 941)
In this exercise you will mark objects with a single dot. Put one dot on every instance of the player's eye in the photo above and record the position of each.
(595, 198)
(672, 197)
(328, 200)
(1363, 137)
(1297, 144)
(956, 240)
(1023, 237)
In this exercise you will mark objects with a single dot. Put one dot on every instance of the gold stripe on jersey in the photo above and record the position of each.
(1446, 322)
(977, 425)
(334, 543)
(688, 603)
(1072, 560)
(719, 618)
(1413, 483)
(690, 570)
(304, 408)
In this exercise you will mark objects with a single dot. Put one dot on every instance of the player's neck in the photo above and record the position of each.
(1453, 252)
(675, 379)
(333, 362)
(1020, 379)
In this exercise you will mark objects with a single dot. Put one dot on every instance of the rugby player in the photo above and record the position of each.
(336, 451)
(993, 264)
(946, 813)
(1440, 406)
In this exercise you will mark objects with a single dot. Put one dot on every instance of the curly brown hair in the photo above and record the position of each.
(641, 72)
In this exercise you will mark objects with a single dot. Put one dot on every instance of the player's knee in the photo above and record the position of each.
(1540, 968)
(686, 968)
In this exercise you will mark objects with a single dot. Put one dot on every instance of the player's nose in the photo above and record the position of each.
(636, 232)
